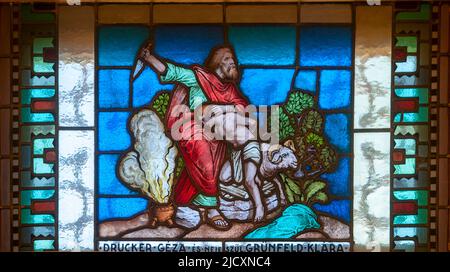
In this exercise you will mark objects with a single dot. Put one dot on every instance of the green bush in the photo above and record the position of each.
(161, 103)
(303, 123)
(287, 125)
(307, 192)
(297, 102)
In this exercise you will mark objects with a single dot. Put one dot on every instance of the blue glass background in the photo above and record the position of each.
(263, 45)
(306, 80)
(325, 46)
(334, 89)
(109, 184)
(337, 208)
(113, 88)
(337, 130)
(117, 45)
(339, 180)
(187, 44)
(112, 131)
(266, 46)
(266, 86)
(120, 207)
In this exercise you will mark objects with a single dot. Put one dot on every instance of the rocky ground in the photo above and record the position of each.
(137, 228)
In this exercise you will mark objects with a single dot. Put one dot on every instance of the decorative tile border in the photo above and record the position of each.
(413, 174)
(36, 203)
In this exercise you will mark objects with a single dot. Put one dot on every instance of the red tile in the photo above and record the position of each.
(405, 105)
(43, 105)
(398, 157)
(50, 55)
(400, 54)
(50, 156)
(405, 208)
(39, 206)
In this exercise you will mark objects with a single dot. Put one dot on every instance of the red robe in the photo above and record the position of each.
(203, 159)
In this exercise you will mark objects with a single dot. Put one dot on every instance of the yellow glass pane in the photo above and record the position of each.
(325, 13)
(261, 14)
(187, 13)
(123, 14)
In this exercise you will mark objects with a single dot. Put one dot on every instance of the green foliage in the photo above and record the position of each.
(324, 153)
(328, 157)
(312, 187)
(179, 166)
(161, 103)
(298, 102)
(292, 189)
(303, 123)
(287, 124)
(295, 106)
(311, 121)
(308, 192)
(320, 197)
(315, 139)
(313, 146)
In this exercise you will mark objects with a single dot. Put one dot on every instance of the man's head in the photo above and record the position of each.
(222, 61)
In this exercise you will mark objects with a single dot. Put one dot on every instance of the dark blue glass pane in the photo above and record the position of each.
(338, 181)
(306, 80)
(110, 208)
(264, 45)
(112, 131)
(107, 178)
(118, 45)
(146, 86)
(325, 46)
(113, 88)
(337, 131)
(187, 44)
(266, 86)
(337, 208)
(334, 89)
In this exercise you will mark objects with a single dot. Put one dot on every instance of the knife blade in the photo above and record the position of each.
(138, 67)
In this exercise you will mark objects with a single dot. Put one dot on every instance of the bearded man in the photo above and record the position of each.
(214, 83)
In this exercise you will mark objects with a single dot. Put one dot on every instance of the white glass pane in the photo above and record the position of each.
(76, 190)
(371, 185)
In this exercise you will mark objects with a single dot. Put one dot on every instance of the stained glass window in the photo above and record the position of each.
(90, 160)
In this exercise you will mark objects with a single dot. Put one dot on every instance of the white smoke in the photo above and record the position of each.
(150, 166)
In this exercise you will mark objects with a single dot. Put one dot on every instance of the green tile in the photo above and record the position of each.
(423, 14)
(420, 218)
(28, 218)
(409, 41)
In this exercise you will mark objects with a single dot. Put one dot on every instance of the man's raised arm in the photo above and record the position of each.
(157, 65)
(167, 72)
